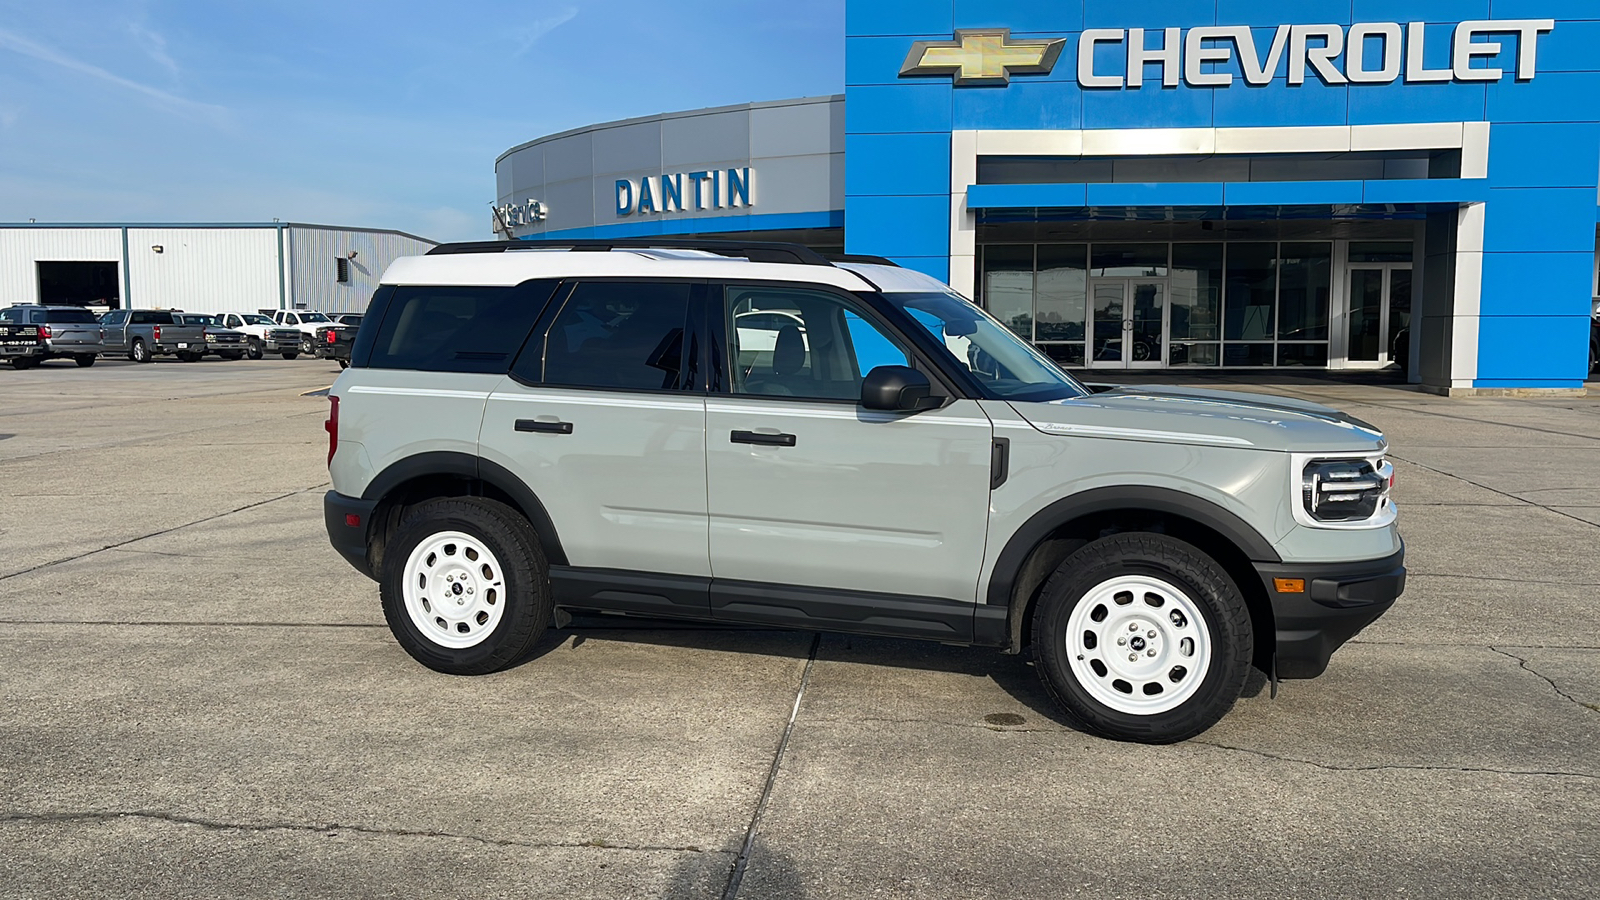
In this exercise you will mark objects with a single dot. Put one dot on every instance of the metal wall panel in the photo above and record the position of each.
(313, 255)
(203, 269)
(22, 247)
(794, 150)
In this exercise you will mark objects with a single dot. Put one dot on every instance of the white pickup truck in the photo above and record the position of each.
(266, 336)
(307, 323)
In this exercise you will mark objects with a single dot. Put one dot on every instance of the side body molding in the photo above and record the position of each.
(465, 465)
(1110, 499)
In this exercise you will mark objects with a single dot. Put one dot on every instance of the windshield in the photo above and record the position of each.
(313, 317)
(1006, 366)
(252, 319)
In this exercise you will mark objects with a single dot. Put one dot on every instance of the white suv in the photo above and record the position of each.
(751, 434)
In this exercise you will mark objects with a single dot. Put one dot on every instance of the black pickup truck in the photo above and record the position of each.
(21, 344)
(334, 341)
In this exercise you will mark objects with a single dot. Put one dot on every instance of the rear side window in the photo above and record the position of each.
(152, 318)
(619, 335)
(70, 317)
(457, 329)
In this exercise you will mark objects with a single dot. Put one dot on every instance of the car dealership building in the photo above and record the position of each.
(1229, 184)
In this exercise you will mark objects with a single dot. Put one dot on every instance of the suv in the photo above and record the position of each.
(65, 332)
(521, 434)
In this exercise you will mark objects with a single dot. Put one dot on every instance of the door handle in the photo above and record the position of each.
(532, 425)
(762, 440)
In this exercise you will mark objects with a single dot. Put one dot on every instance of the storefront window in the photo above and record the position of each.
(1008, 286)
(1380, 251)
(1129, 261)
(1305, 285)
(1195, 327)
(1252, 288)
(1059, 291)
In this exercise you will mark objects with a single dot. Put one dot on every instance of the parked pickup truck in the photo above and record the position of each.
(264, 335)
(21, 344)
(334, 341)
(63, 332)
(224, 342)
(306, 322)
(144, 334)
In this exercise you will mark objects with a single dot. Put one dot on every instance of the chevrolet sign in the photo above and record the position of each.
(1373, 53)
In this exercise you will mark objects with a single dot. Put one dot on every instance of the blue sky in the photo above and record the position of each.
(375, 114)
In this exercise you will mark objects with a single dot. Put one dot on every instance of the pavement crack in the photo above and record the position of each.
(1492, 490)
(736, 874)
(1330, 767)
(332, 828)
(134, 540)
(1547, 679)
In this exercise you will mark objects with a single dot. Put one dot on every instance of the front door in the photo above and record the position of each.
(809, 490)
(1380, 308)
(1128, 323)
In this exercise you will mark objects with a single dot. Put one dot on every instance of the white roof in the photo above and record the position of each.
(513, 267)
(895, 280)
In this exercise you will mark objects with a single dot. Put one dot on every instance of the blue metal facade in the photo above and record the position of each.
(1534, 204)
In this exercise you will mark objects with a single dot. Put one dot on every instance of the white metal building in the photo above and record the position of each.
(206, 267)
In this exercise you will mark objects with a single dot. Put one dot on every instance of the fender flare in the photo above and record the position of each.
(1002, 582)
(465, 465)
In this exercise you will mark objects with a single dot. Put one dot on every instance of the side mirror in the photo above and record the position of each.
(897, 389)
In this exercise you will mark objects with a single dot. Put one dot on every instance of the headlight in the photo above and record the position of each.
(1344, 491)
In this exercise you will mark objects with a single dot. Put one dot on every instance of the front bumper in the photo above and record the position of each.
(1339, 600)
(350, 540)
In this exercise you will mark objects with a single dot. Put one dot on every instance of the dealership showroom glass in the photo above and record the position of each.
(1331, 185)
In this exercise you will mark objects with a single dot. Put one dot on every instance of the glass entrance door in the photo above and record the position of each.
(1380, 309)
(1129, 323)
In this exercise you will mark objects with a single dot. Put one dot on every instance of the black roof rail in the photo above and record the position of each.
(755, 251)
(863, 258)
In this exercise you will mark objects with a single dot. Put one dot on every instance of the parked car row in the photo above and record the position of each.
(31, 334)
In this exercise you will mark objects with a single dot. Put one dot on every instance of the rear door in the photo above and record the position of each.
(603, 418)
(809, 490)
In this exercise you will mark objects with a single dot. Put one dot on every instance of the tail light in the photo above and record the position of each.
(44, 332)
(332, 427)
(332, 338)
(156, 334)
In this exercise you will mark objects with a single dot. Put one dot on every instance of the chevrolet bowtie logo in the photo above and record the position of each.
(983, 56)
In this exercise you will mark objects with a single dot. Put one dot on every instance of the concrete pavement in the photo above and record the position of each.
(200, 698)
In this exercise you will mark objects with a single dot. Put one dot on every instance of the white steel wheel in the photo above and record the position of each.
(1138, 645)
(454, 590)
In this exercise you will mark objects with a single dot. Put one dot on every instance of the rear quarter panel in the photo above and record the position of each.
(386, 415)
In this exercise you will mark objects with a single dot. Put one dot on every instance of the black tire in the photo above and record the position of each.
(23, 362)
(524, 576)
(234, 355)
(1594, 358)
(291, 354)
(138, 352)
(1200, 583)
(306, 345)
(344, 363)
(255, 351)
(189, 357)
(84, 360)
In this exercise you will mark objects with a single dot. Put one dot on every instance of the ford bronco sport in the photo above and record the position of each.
(751, 434)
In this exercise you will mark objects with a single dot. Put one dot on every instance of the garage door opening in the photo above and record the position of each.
(80, 284)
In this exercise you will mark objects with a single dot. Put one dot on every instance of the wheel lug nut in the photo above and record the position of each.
(1122, 642)
(1150, 652)
(1133, 626)
(1151, 634)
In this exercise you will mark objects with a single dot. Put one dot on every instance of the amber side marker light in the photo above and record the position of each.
(1289, 585)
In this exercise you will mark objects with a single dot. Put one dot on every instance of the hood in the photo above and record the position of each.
(1204, 418)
